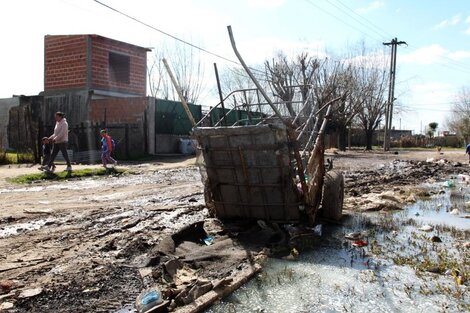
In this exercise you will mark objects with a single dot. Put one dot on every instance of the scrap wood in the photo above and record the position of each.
(218, 293)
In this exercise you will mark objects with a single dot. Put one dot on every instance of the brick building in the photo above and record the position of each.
(106, 66)
(98, 82)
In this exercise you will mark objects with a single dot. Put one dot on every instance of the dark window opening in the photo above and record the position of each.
(119, 68)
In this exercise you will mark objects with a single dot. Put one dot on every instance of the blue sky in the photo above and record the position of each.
(434, 66)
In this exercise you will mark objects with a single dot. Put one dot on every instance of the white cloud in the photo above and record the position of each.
(467, 20)
(454, 20)
(459, 55)
(421, 105)
(265, 4)
(467, 31)
(373, 60)
(374, 5)
(423, 56)
(432, 54)
(259, 49)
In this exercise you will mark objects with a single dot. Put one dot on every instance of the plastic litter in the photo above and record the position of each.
(354, 235)
(359, 243)
(449, 184)
(426, 228)
(148, 299)
(208, 240)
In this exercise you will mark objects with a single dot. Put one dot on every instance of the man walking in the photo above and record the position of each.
(60, 139)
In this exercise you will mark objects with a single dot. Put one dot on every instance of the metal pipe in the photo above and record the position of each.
(253, 78)
(316, 113)
(220, 94)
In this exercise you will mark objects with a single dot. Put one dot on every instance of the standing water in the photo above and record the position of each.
(416, 260)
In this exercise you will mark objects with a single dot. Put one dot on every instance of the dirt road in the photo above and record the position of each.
(58, 234)
(77, 242)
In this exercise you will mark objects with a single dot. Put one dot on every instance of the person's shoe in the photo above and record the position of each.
(42, 168)
(47, 169)
(68, 169)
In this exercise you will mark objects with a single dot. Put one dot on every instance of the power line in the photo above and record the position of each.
(365, 19)
(171, 36)
(342, 20)
(455, 65)
(354, 18)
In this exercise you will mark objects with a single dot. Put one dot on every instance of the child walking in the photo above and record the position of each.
(107, 147)
(46, 153)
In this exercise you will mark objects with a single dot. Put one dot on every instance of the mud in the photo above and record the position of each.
(91, 244)
(401, 269)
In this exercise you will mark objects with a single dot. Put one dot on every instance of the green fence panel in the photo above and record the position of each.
(171, 118)
(234, 116)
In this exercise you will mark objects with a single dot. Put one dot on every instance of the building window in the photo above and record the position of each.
(119, 68)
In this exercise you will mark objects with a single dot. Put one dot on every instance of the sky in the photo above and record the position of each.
(430, 70)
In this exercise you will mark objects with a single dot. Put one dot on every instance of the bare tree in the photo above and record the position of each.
(459, 119)
(291, 79)
(235, 78)
(155, 74)
(188, 70)
(280, 75)
(373, 82)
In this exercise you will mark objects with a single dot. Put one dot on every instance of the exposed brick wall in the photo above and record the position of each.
(118, 110)
(65, 62)
(101, 47)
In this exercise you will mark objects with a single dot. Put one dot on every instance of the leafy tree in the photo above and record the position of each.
(432, 129)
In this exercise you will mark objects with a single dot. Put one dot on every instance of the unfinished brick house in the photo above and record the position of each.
(105, 66)
(98, 82)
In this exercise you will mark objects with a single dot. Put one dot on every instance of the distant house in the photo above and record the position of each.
(98, 82)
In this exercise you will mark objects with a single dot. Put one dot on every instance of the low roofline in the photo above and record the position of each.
(101, 37)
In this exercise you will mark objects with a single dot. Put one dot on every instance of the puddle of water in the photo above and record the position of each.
(336, 277)
(171, 175)
(447, 208)
(16, 229)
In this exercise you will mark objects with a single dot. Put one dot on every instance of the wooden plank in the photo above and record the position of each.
(212, 296)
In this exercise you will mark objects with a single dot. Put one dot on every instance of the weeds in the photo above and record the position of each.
(37, 177)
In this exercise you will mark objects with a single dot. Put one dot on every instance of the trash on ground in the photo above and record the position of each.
(359, 243)
(426, 228)
(148, 299)
(28, 293)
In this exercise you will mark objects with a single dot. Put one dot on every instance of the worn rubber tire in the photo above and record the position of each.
(333, 196)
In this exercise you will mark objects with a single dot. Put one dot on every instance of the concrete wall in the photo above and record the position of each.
(168, 144)
(5, 106)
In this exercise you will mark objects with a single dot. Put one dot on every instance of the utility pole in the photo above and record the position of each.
(391, 90)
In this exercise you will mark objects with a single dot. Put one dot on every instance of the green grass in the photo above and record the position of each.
(37, 177)
(15, 158)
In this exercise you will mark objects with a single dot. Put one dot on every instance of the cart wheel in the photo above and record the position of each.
(333, 196)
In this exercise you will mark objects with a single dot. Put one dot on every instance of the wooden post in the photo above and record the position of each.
(180, 93)
(126, 138)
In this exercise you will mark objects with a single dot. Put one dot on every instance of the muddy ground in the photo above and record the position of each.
(88, 245)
